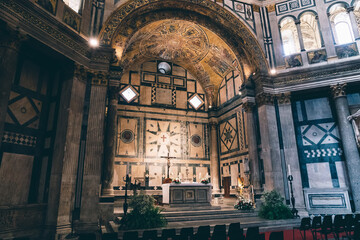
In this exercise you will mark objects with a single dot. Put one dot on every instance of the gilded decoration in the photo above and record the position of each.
(71, 18)
(49, 5)
(177, 41)
(244, 38)
(338, 90)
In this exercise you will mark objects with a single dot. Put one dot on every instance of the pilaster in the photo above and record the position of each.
(289, 149)
(270, 151)
(248, 106)
(214, 158)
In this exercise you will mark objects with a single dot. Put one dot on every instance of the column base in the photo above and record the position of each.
(108, 192)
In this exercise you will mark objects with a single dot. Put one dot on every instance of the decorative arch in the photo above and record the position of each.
(133, 15)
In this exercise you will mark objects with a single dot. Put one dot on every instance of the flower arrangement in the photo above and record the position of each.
(177, 180)
(242, 204)
(204, 180)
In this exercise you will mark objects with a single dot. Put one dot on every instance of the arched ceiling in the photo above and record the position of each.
(215, 40)
(196, 48)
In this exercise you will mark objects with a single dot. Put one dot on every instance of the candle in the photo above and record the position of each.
(200, 176)
(252, 189)
(289, 170)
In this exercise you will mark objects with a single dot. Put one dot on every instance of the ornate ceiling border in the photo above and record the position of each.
(218, 14)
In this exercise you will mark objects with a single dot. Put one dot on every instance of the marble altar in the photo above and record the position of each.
(186, 194)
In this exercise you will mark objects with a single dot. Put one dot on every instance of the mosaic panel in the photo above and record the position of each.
(243, 10)
(290, 6)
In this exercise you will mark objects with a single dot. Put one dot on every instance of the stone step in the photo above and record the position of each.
(209, 212)
(210, 216)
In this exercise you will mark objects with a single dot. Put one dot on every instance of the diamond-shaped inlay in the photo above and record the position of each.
(196, 102)
(129, 93)
(228, 135)
(23, 110)
(314, 134)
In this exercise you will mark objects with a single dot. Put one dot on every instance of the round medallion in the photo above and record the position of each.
(196, 140)
(127, 136)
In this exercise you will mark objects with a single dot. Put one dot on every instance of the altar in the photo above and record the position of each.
(186, 194)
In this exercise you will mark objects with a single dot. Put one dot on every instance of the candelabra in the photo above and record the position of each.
(294, 211)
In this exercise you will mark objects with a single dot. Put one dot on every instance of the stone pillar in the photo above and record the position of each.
(214, 158)
(301, 40)
(10, 42)
(110, 142)
(248, 106)
(354, 24)
(290, 150)
(270, 151)
(66, 152)
(351, 151)
(94, 153)
(325, 29)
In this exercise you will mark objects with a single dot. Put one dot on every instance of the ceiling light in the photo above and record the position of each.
(164, 68)
(93, 42)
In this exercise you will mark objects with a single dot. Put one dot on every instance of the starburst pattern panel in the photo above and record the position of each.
(228, 133)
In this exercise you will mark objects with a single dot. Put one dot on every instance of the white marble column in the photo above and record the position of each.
(352, 158)
(301, 40)
(214, 158)
(354, 24)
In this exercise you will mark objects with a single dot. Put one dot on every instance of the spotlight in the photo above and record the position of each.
(273, 71)
(93, 42)
(210, 106)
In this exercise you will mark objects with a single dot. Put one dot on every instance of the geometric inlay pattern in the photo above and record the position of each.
(20, 139)
(25, 110)
(324, 152)
(228, 135)
(324, 133)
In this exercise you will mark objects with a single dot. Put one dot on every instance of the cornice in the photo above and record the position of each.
(37, 23)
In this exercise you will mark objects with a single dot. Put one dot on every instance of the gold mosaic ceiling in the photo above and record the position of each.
(196, 48)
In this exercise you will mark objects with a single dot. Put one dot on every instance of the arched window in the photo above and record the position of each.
(289, 36)
(341, 25)
(75, 5)
(310, 31)
(357, 13)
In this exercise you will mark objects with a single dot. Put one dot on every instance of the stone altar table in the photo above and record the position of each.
(186, 194)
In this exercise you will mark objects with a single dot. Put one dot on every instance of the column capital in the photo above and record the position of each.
(113, 93)
(248, 106)
(98, 77)
(350, 9)
(338, 90)
(284, 98)
(297, 21)
(264, 99)
(213, 124)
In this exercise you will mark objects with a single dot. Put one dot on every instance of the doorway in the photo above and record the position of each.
(226, 185)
